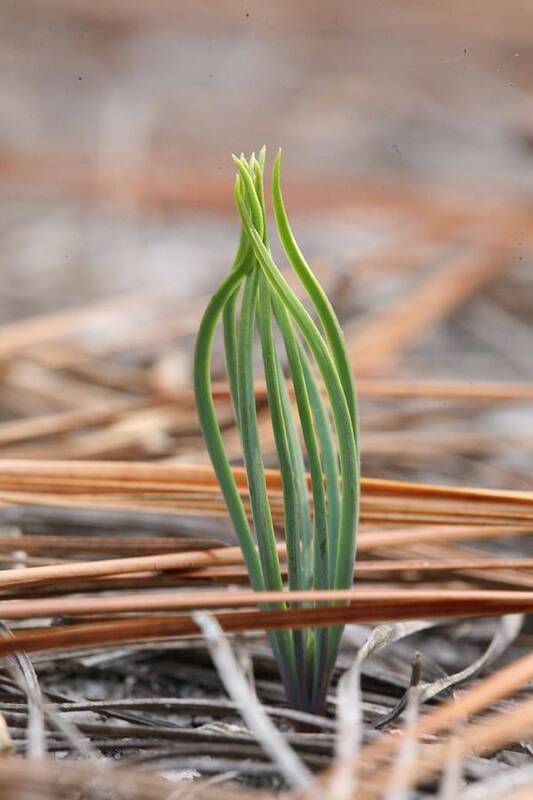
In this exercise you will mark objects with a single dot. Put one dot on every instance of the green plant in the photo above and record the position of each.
(320, 526)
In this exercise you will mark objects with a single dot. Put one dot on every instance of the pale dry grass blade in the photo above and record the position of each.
(374, 756)
(501, 787)
(492, 731)
(291, 767)
(397, 787)
(80, 742)
(344, 777)
(452, 773)
(23, 672)
(508, 628)
(6, 744)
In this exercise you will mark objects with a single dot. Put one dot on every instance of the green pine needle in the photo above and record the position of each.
(322, 429)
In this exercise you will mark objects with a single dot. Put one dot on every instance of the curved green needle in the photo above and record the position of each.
(320, 526)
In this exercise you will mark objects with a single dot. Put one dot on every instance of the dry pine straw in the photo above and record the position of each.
(376, 760)
(490, 732)
(420, 508)
(193, 489)
(423, 516)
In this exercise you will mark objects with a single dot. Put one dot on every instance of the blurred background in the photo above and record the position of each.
(407, 132)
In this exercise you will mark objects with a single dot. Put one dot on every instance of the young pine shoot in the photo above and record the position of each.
(313, 410)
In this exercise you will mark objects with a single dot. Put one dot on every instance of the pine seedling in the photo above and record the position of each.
(318, 431)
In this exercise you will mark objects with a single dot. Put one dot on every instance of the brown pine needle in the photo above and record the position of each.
(495, 601)
(365, 606)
